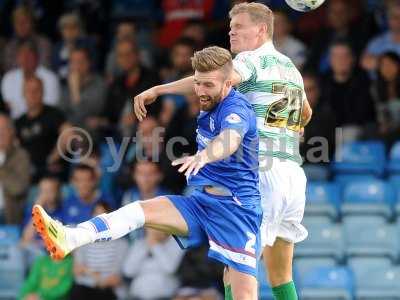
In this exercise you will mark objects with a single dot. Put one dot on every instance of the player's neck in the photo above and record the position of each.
(226, 93)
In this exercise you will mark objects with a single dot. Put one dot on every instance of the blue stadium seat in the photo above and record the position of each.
(393, 165)
(370, 237)
(302, 265)
(322, 199)
(327, 283)
(360, 265)
(371, 197)
(9, 235)
(344, 179)
(325, 239)
(394, 180)
(316, 172)
(11, 271)
(360, 158)
(380, 282)
(264, 288)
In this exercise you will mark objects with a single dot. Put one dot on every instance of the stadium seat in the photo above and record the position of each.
(368, 197)
(381, 282)
(324, 239)
(9, 235)
(343, 179)
(372, 237)
(360, 158)
(322, 199)
(264, 288)
(316, 172)
(394, 180)
(302, 265)
(393, 165)
(11, 271)
(327, 283)
(360, 265)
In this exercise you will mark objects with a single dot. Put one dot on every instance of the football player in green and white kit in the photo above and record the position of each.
(275, 88)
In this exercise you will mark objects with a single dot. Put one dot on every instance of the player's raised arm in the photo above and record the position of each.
(183, 87)
(223, 146)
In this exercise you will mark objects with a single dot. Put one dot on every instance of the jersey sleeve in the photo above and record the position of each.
(235, 117)
(244, 67)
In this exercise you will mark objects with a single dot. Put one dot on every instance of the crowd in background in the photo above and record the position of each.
(67, 64)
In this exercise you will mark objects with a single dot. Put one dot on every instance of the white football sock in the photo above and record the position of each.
(106, 227)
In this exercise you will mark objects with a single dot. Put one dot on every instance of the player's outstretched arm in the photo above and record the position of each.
(183, 87)
(224, 145)
(306, 114)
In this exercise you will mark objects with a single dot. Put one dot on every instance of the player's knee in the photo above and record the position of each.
(245, 293)
(279, 276)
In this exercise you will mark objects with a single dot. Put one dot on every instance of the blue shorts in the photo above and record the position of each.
(231, 230)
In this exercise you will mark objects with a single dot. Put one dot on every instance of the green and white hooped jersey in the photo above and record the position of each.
(274, 87)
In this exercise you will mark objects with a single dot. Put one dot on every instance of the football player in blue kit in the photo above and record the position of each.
(224, 210)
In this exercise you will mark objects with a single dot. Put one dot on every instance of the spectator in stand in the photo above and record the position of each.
(286, 43)
(72, 35)
(84, 94)
(12, 84)
(48, 280)
(97, 267)
(24, 30)
(148, 145)
(49, 196)
(346, 90)
(338, 27)
(319, 134)
(178, 13)
(386, 91)
(181, 66)
(196, 31)
(187, 115)
(15, 170)
(3, 106)
(198, 275)
(39, 128)
(147, 177)
(388, 41)
(152, 263)
(78, 206)
(126, 30)
(135, 79)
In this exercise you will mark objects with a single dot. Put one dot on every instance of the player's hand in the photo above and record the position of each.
(140, 101)
(191, 164)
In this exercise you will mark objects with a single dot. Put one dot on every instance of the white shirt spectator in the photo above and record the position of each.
(153, 269)
(12, 89)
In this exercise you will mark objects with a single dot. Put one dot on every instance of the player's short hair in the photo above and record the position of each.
(211, 59)
(258, 12)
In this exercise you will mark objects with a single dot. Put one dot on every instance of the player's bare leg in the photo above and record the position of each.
(158, 213)
(244, 286)
(278, 261)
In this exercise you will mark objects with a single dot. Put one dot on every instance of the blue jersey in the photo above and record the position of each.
(239, 172)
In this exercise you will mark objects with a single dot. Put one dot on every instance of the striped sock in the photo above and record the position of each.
(106, 227)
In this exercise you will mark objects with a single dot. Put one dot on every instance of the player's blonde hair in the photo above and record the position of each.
(258, 12)
(211, 59)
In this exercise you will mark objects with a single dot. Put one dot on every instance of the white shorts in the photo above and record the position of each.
(283, 189)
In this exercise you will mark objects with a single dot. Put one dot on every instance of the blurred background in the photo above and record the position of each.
(78, 63)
